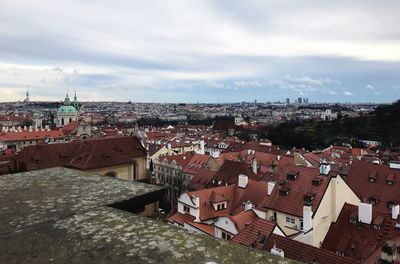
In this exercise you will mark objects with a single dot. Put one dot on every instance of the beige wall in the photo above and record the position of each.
(288, 228)
(122, 171)
(125, 171)
(150, 209)
(141, 171)
(337, 193)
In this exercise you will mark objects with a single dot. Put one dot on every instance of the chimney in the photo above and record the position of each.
(254, 166)
(277, 251)
(278, 157)
(243, 181)
(202, 150)
(25, 127)
(324, 168)
(248, 206)
(395, 211)
(271, 185)
(365, 213)
(307, 217)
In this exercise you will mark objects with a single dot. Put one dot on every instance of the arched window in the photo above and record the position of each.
(111, 174)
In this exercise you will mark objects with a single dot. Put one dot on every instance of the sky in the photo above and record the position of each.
(200, 51)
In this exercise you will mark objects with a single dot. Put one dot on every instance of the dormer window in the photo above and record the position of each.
(221, 206)
(292, 175)
(316, 181)
(390, 179)
(378, 222)
(372, 176)
(284, 191)
(353, 217)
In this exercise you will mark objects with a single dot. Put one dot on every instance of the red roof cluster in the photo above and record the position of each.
(358, 240)
(82, 154)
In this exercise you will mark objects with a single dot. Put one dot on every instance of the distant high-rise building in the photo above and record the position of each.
(27, 100)
(255, 103)
(299, 100)
(287, 101)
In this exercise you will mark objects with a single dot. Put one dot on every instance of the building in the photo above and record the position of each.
(222, 212)
(67, 112)
(362, 231)
(305, 201)
(20, 138)
(122, 158)
(168, 168)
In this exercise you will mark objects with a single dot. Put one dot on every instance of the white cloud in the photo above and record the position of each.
(370, 87)
(348, 93)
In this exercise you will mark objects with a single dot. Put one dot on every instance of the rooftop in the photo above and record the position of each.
(62, 215)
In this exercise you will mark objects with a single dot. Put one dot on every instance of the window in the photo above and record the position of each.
(221, 206)
(290, 220)
(186, 209)
(226, 236)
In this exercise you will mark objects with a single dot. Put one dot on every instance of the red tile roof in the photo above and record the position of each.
(255, 233)
(359, 240)
(358, 180)
(180, 218)
(82, 154)
(229, 171)
(292, 203)
(305, 253)
(201, 178)
(243, 219)
(33, 135)
(235, 197)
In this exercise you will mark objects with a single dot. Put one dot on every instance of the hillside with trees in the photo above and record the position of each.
(381, 125)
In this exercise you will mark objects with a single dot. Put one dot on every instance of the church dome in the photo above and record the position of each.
(67, 109)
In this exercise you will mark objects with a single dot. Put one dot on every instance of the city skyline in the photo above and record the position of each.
(200, 51)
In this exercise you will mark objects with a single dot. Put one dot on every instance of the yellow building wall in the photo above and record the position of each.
(141, 168)
(123, 171)
(337, 193)
(288, 228)
(150, 209)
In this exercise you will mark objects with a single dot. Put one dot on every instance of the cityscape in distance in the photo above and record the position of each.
(200, 132)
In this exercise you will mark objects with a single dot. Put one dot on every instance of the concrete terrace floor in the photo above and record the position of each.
(62, 215)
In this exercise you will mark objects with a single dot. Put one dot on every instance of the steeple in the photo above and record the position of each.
(66, 100)
(75, 102)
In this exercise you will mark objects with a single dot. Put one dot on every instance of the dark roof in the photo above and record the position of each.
(230, 170)
(359, 181)
(255, 234)
(292, 203)
(80, 154)
(305, 253)
(359, 240)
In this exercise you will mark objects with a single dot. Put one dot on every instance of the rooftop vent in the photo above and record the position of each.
(372, 176)
(390, 178)
(378, 221)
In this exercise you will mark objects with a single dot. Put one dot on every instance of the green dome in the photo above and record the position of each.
(67, 109)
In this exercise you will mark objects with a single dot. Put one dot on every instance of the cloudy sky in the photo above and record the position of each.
(200, 51)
